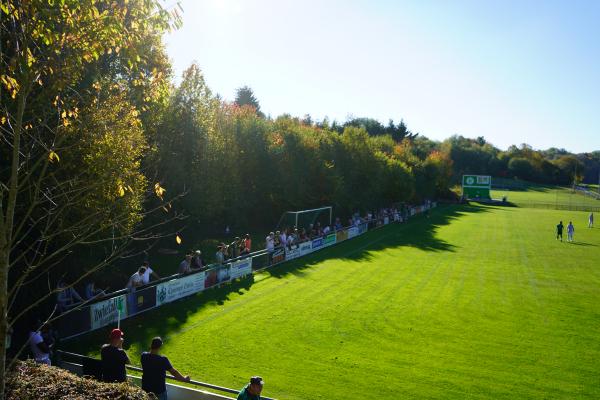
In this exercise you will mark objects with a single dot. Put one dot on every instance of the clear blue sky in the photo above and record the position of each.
(512, 71)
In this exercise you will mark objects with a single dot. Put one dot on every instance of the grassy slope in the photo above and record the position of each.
(487, 306)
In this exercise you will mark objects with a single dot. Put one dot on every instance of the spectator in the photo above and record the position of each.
(39, 348)
(270, 245)
(185, 267)
(247, 244)
(67, 297)
(283, 238)
(326, 230)
(114, 358)
(277, 239)
(137, 279)
(252, 390)
(91, 291)
(220, 254)
(155, 367)
(147, 273)
(197, 261)
(338, 224)
(234, 247)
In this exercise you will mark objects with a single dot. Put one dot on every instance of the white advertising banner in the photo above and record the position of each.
(293, 252)
(178, 288)
(240, 268)
(352, 232)
(305, 248)
(106, 312)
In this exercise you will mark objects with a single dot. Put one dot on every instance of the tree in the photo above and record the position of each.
(245, 97)
(48, 100)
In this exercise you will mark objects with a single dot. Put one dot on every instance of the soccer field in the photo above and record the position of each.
(473, 302)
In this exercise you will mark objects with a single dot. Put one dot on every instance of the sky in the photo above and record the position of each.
(512, 71)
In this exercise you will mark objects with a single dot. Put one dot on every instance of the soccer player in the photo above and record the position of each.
(570, 231)
(591, 220)
(559, 230)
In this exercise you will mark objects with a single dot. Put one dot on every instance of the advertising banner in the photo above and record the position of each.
(352, 232)
(106, 312)
(329, 239)
(293, 252)
(317, 243)
(240, 268)
(143, 299)
(305, 248)
(278, 255)
(172, 290)
(362, 228)
(341, 235)
(223, 274)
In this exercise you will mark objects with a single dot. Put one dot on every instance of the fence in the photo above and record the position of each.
(128, 303)
(88, 366)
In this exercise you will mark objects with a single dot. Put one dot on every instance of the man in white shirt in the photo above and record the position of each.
(137, 279)
(147, 273)
(270, 245)
(40, 350)
(283, 238)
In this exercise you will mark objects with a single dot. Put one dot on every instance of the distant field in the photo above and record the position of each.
(475, 302)
(548, 195)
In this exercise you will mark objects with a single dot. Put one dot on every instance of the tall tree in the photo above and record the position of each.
(244, 96)
(48, 98)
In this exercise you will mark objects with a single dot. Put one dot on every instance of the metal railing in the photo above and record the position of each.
(205, 385)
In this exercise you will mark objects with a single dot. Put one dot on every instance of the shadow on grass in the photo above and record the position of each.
(583, 244)
(419, 233)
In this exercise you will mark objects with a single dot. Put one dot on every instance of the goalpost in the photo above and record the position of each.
(305, 218)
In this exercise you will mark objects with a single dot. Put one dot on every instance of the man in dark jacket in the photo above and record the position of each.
(252, 390)
(114, 358)
(155, 367)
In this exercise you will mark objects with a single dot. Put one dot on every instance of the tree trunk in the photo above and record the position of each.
(6, 230)
(3, 317)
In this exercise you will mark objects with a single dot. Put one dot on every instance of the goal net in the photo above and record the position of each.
(305, 218)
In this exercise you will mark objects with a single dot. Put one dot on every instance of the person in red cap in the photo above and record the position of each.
(114, 358)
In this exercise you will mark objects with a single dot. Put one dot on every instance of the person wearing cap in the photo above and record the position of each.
(114, 358)
(155, 367)
(252, 390)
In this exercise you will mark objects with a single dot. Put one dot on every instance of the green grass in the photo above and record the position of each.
(475, 302)
(550, 195)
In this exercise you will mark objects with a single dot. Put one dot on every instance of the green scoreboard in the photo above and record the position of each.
(477, 186)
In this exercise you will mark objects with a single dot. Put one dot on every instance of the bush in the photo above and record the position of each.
(31, 381)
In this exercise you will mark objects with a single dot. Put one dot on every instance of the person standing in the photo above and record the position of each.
(559, 231)
(155, 367)
(39, 348)
(147, 272)
(570, 231)
(114, 358)
(252, 390)
(185, 267)
(591, 220)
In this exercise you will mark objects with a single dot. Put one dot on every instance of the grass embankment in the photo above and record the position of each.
(475, 302)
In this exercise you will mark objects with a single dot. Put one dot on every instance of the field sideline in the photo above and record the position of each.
(474, 302)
